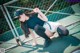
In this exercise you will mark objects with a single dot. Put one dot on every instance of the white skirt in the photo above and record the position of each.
(53, 26)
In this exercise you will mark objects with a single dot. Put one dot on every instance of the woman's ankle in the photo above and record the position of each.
(34, 44)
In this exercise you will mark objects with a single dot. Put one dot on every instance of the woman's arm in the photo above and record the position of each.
(40, 14)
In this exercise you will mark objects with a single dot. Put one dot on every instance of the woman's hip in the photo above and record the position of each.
(52, 26)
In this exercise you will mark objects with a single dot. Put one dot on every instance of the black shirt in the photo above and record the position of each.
(33, 21)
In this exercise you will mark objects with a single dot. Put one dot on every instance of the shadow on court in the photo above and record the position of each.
(58, 45)
(32, 48)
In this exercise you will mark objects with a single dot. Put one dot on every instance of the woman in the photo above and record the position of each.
(37, 21)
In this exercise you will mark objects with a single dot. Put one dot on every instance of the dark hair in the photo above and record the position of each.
(29, 13)
(25, 29)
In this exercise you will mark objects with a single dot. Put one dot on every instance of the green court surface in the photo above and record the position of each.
(59, 45)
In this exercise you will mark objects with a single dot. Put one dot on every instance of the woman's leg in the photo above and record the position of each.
(48, 33)
(33, 36)
(41, 32)
(62, 31)
(34, 39)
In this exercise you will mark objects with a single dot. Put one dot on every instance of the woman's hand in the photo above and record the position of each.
(36, 10)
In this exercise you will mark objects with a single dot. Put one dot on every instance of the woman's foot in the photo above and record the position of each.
(47, 43)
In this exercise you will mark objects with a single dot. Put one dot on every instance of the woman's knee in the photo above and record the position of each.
(39, 29)
(62, 31)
